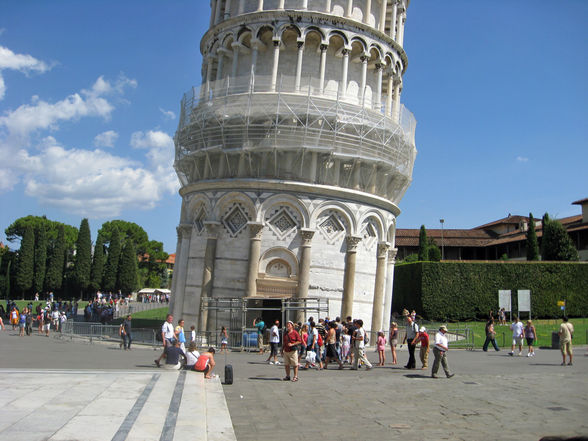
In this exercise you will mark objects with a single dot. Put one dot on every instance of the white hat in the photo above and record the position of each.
(423, 329)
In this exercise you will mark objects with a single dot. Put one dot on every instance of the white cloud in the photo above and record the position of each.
(106, 139)
(19, 62)
(161, 156)
(522, 159)
(40, 114)
(168, 114)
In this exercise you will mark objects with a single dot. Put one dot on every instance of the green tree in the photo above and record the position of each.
(26, 258)
(423, 245)
(532, 244)
(127, 273)
(98, 264)
(40, 259)
(112, 262)
(126, 230)
(54, 274)
(556, 244)
(16, 230)
(433, 251)
(83, 259)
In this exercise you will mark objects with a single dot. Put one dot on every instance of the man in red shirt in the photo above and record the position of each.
(423, 338)
(292, 340)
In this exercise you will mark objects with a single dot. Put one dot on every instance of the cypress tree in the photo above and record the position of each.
(112, 262)
(532, 244)
(83, 260)
(54, 275)
(98, 264)
(423, 245)
(26, 259)
(127, 274)
(40, 258)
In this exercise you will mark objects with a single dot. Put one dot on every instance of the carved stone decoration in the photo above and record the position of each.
(331, 227)
(307, 236)
(235, 220)
(184, 231)
(383, 250)
(212, 229)
(282, 223)
(255, 230)
(352, 242)
(199, 220)
(392, 254)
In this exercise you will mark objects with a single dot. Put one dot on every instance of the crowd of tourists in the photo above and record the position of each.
(45, 317)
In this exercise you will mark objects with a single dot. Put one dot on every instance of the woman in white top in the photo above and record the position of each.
(192, 355)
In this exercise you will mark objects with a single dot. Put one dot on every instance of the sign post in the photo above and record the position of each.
(524, 300)
(504, 300)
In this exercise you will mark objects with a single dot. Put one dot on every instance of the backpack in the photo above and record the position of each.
(320, 340)
(366, 338)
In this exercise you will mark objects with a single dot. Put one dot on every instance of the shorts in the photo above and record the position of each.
(274, 348)
(46, 327)
(394, 342)
(516, 341)
(21, 325)
(291, 358)
(530, 341)
(566, 347)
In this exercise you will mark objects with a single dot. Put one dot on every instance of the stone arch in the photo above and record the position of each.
(285, 199)
(314, 29)
(223, 205)
(278, 273)
(343, 211)
(279, 254)
(288, 27)
(193, 207)
(378, 220)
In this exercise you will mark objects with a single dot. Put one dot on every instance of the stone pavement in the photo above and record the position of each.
(59, 390)
(492, 396)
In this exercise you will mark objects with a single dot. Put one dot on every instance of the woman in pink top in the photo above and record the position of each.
(381, 345)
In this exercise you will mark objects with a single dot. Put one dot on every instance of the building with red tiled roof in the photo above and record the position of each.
(491, 241)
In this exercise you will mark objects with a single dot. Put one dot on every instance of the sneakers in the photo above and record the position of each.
(434, 376)
(277, 362)
(450, 375)
(570, 364)
(270, 362)
(520, 353)
(529, 355)
(511, 353)
(157, 363)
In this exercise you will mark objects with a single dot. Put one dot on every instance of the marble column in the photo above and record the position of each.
(349, 9)
(378, 304)
(172, 299)
(400, 36)
(390, 94)
(208, 75)
(304, 270)
(368, 11)
(259, 5)
(213, 6)
(382, 27)
(328, 6)
(393, 20)
(217, 13)
(378, 99)
(299, 65)
(255, 230)
(364, 66)
(241, 7)
(227, 9)
(323, 67)
(281, 4)
(388, 290)
(236, 48)
(276, 61)
(212, 228)
(349, 276)
(185, 231)
(396, 104)
(343, 87)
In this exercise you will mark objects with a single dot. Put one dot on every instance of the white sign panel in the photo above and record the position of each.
(524, 296)
(504, 299)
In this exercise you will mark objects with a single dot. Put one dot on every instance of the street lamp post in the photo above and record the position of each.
(442, 241)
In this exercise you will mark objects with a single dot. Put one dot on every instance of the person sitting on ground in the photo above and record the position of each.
(192, 355)
(205, 363)
(172, 356)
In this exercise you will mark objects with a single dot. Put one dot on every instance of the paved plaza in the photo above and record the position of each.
(72, 390)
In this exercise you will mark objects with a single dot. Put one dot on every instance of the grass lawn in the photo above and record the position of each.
(151, 318)
(544, 329)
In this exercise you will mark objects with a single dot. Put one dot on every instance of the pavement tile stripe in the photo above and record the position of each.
(127, 424)
(172, 414)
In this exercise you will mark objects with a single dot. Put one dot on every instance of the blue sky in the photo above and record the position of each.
(90, 93)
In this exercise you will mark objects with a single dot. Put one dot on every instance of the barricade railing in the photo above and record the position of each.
(97, 331)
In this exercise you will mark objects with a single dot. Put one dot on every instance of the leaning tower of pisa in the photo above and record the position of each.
(293, 154)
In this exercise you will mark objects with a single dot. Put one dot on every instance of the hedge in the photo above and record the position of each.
(450, 291)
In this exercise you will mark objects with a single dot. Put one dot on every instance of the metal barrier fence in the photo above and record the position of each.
(459, 337)
(97, 331)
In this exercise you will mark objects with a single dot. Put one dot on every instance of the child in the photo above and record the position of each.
(381, 345)
(345, 346)
(224, 339)
(192, 334)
